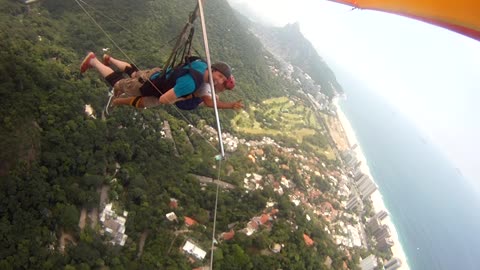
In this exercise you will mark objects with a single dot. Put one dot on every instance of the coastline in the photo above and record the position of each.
(376, 197)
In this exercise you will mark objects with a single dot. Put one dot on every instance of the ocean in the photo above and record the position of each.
(435, 211)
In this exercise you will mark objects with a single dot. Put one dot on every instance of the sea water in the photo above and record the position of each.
(436, 213)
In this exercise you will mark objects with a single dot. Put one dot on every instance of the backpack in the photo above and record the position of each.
(167, 80)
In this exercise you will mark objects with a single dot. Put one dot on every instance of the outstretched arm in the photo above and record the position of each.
(208, 101)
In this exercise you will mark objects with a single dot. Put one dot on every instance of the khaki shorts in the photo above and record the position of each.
(130, 87)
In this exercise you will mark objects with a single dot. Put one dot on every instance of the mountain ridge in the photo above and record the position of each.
(289, 44)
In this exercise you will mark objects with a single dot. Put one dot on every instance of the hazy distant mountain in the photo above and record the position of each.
(247, 13)
(289, 44)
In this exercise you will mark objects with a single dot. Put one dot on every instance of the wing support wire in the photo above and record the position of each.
(210, 77)
(219, 130)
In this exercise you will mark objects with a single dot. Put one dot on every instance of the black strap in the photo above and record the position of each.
(135, 101)
(161, 84)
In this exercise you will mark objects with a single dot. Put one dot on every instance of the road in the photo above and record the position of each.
(209, 180)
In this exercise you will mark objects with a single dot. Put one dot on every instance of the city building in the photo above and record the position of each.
(114, 225)
(369, 263)
(354, 236)
(354, 203)
(193, 250)
(374, 225)
(356, 172)
(382, 232)
(359, 176)
(171, 216)
(393, 264)
(385, 243)
(381, 215)
(349, 158)
(366, 187)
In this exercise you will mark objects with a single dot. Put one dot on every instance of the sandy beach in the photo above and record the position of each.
(376, 197)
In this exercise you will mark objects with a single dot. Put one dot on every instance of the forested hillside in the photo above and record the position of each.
(43, 45)
(290, 44)
(56, 161)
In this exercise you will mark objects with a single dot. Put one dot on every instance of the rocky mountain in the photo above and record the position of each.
(290, 46)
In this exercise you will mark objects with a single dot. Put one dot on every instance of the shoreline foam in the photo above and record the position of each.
(376, 197)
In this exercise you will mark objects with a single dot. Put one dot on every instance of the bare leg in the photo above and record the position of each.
(121, 65)
(169, 97)
(100, 67)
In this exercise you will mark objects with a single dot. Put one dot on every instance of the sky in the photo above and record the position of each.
(430, 74)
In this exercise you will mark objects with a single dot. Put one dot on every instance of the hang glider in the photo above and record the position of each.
(461, 16)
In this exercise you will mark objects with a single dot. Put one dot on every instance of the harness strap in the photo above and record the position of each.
(131, 69)
(160, 84)
(184, 40)
(135, 101)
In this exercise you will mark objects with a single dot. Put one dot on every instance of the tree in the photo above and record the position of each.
(67, 216)
(235, 258)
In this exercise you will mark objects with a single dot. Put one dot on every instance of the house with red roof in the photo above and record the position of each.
(327, 210)
(264, 218)
(228, 235)
(308, 241)
(252, 226)
(173, 203)
(190, 221)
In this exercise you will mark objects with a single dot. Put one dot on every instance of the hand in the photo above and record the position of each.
(237, 105)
